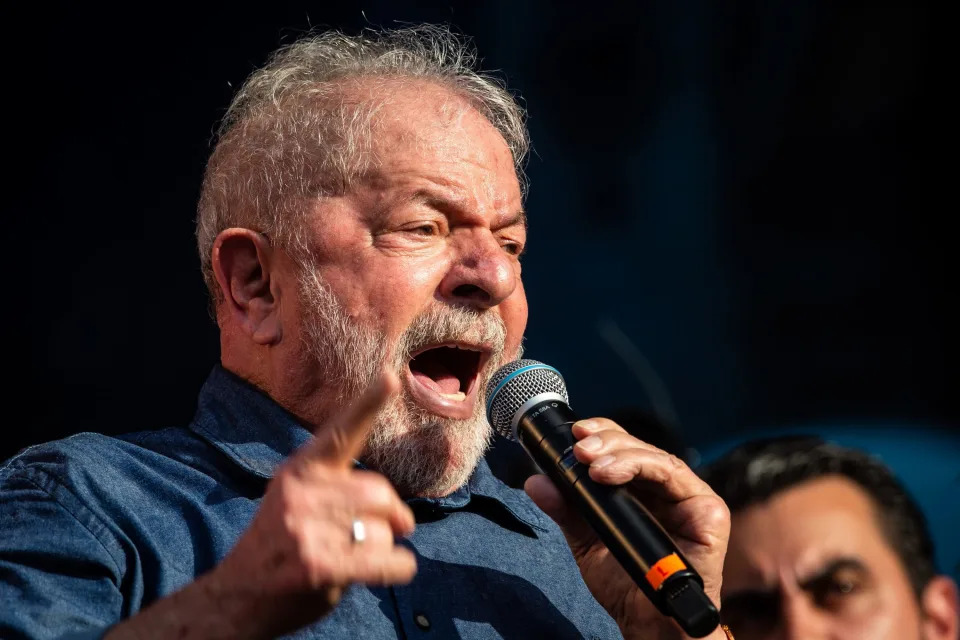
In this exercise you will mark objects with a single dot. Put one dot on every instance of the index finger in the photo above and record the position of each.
(591, 426)
(657, 471)
(341, 440)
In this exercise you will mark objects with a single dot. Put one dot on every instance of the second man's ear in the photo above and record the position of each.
(940, 607)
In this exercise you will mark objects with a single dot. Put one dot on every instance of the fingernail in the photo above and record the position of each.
(590, 444)
(602, 462)
(589, 425)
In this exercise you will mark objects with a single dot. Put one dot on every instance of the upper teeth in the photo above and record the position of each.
(465, 347)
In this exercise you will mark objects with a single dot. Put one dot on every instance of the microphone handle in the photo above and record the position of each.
(625, 526)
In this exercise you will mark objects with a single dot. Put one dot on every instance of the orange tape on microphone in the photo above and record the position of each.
(663, 569)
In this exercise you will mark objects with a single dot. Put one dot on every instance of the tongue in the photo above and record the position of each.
(437, 377)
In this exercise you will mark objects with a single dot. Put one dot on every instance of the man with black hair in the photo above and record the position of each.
(826, 543)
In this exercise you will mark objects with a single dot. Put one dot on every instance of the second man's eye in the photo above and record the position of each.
(834, 591)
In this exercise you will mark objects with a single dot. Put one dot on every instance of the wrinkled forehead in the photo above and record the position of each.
(419, 124)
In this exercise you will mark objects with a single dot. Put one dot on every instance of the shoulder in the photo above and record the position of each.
(110, 481)
(129, 492)
(86, 457)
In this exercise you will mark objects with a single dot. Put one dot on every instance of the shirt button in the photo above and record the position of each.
(422, 621)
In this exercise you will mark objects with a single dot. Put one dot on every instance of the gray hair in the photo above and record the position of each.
(293, 133)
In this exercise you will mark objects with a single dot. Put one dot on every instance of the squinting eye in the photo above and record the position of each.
(843, 586)
(839, 589)
(835, 592)
(512, 248)
(425, 229)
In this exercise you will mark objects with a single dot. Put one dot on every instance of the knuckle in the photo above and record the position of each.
(610, 436)
(375, 489)
(301, 555)
(608, 424)
(321, 570)
(717, 511)
(291, 470)
(411, 568)
(283, 479)
(323, 565)
(661, 472)
(380, 530)
(675, 462)
(296, 533)
(404, 565)
(289, 495)
(286, 479)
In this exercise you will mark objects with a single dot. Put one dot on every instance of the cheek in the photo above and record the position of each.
(398, 292)
(513, 310)
(884, 614)
(884, 624)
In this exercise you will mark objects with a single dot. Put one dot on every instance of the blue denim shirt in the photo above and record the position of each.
(94, 528)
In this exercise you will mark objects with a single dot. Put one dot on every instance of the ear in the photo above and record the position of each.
(243, 265)
(940, 608)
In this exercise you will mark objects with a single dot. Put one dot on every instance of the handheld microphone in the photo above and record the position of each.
(527, 401)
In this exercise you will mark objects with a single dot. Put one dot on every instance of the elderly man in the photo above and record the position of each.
(360, 229)
(826, 544)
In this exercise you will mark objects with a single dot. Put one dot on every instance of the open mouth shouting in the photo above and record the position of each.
(444, 378)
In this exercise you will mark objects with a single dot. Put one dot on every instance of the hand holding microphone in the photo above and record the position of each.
(597, 471)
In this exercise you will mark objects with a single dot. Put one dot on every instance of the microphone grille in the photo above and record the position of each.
(513, 384)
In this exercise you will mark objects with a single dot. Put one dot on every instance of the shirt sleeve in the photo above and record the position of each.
(57, 578)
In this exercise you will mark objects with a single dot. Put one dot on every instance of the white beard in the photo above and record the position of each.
(422, 454)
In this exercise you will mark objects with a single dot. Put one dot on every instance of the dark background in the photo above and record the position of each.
(739, 211)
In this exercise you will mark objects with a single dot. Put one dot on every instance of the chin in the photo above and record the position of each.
(454, 474)
(426, 455)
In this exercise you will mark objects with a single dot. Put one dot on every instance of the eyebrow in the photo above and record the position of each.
(821, 574)
(839, 564)
(520, 217)
(445, 203)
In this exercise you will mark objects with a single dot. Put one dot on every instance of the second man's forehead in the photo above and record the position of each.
(808, 526)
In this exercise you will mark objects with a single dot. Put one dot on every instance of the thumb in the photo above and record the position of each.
(546, 496)
(343, 438)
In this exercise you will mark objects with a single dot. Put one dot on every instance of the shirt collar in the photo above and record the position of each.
(516, 501)
(257, 434)
(246, 424)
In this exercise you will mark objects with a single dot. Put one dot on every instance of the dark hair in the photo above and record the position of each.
(759, 469)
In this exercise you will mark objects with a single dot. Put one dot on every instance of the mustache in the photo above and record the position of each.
(440, 324)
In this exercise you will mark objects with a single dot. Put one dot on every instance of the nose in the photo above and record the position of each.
(482, 274)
